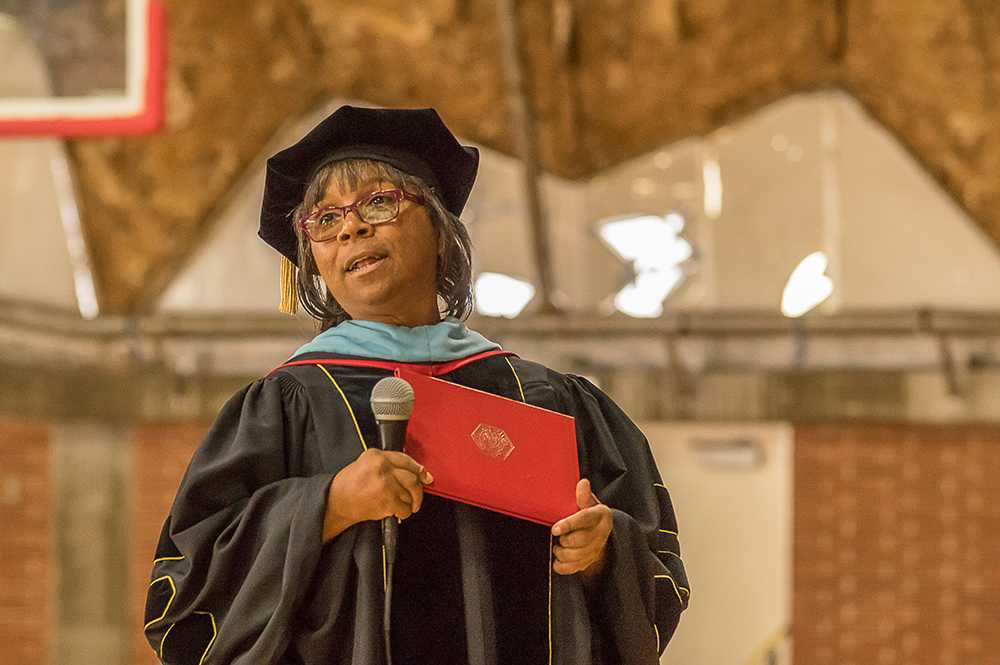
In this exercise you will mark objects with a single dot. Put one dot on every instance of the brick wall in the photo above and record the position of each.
(897, 537)
(160, 454)
(27, 570)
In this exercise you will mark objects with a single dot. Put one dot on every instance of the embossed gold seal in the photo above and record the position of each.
(492, 441)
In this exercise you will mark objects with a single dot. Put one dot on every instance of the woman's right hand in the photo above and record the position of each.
(377, 484)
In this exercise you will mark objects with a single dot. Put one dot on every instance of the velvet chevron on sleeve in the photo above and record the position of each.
(646, 587)
(243, 538)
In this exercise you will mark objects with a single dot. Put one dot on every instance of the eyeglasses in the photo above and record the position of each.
(376, 208)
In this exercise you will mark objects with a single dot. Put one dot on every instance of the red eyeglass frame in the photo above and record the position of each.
(398, 194)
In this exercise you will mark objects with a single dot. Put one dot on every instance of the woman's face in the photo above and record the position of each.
(396, 279)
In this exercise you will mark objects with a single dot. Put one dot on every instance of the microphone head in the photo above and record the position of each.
(392, 399)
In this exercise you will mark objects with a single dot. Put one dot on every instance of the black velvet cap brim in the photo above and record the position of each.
(415, 141)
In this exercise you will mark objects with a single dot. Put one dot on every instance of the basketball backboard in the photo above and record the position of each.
(81, 68)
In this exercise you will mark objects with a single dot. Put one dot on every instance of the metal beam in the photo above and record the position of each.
(66, 323)
(523, 126)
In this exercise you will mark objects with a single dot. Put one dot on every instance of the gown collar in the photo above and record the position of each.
(446, 340)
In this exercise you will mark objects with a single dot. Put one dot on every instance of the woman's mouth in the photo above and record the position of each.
(365, 265)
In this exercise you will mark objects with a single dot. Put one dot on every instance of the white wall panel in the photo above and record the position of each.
(735, 527)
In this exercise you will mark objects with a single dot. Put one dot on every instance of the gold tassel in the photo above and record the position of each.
(289, 297)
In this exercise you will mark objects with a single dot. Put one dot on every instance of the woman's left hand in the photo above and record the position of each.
(583, 535)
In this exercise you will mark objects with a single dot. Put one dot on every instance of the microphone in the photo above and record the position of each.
(392, 404)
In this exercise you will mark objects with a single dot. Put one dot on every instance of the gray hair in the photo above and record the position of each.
(454, 255)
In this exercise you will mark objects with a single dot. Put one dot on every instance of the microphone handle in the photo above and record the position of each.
(393, 436)
(390, 536)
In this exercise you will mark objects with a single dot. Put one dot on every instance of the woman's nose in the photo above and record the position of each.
(354, 226)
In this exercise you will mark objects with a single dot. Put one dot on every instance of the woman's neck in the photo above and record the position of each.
(411, 319)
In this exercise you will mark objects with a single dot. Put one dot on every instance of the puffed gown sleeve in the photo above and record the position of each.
(644, 589)
(244, 535)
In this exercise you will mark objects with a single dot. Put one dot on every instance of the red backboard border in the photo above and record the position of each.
(148, 119)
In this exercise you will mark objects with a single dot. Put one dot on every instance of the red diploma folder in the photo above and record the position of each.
(493, 452)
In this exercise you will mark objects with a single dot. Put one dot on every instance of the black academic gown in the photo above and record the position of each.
(241, 575)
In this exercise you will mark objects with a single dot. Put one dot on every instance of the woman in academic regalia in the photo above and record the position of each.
(272, 551)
